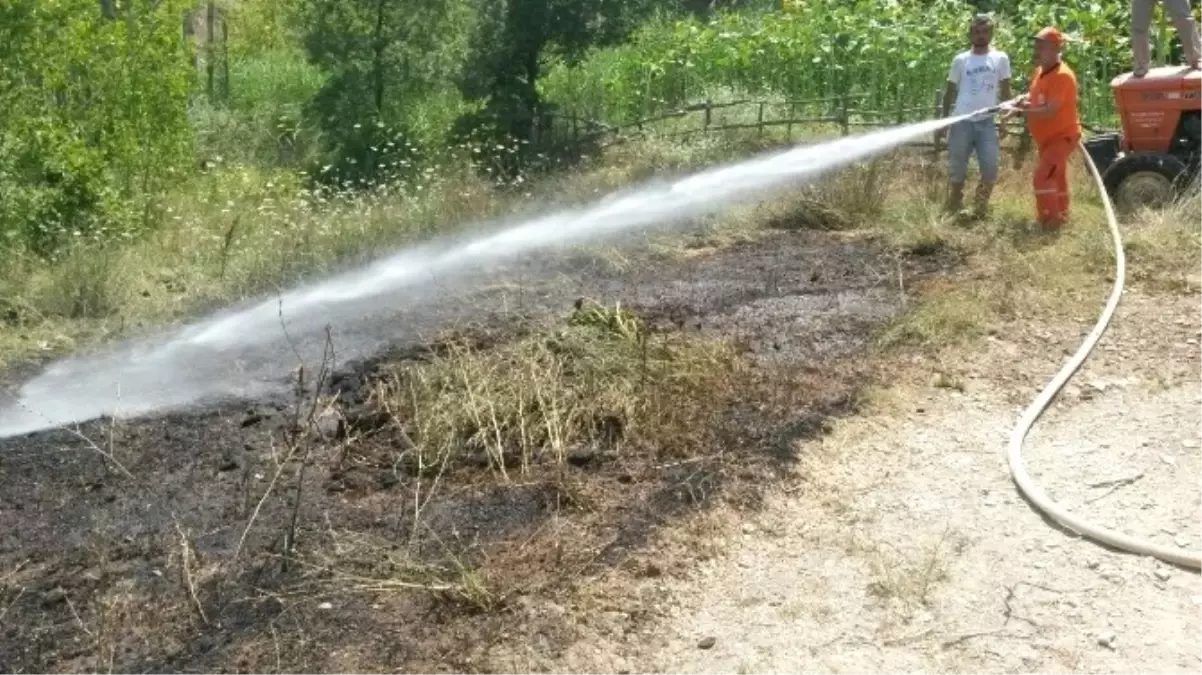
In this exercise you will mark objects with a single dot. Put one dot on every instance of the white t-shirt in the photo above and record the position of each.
(977, 78)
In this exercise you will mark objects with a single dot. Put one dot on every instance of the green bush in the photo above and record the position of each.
(264, 122)
(95, 122)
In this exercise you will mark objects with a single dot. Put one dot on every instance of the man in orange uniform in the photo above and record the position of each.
(1050, 108)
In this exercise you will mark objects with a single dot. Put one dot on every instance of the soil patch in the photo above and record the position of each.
(231, 538)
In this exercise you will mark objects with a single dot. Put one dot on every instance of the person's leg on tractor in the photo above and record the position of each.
(1141, 47)
(1187, 30)
(1141, 25)
(989, 151)
(959, 147)
(1050, 182)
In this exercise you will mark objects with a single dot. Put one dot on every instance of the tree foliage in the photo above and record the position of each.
(382, 57)
(98, 113)
(893, 54)
(516, 37)
(95, 117)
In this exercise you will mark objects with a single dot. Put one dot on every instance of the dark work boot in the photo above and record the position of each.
(955, 200)
(981, 201)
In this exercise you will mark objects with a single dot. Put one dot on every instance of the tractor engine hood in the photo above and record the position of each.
(1151, 107)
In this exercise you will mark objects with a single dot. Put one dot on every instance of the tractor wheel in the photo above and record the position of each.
(1145, 179)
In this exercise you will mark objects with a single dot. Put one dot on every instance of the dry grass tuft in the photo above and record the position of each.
(1163, 246)
(908, 578)
(944, 317)
(600, 382)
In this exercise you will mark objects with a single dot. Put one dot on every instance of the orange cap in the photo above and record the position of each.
(1051, 35)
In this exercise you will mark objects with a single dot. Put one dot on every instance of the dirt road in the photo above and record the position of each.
(904, 546)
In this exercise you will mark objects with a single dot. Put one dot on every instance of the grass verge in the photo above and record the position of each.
(1014, 272)
(237, 232)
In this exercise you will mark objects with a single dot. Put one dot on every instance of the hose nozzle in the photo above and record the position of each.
(999, 107)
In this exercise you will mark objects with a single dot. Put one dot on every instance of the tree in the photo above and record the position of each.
(95, 117)
(512, 40)
(382, 57)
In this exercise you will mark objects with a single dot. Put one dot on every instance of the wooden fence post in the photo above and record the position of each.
(210, 49)
(760, 120)
(707, 114)
(789, 124)
(647, 96)
(225, 57)
(844, 119)
(1024, 147)
(938, 144)
(936, 149)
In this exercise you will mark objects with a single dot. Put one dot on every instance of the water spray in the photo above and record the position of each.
(216, 357)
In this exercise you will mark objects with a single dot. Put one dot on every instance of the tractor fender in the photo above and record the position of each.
(1103, 149)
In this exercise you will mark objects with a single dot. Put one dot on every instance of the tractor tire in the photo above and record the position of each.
(1145, 180)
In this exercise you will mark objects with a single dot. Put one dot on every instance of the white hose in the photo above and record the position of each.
(1037, 496)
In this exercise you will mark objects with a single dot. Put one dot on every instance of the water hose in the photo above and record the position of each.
(1026, 485)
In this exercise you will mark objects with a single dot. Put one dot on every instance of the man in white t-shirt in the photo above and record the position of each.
(979, 78)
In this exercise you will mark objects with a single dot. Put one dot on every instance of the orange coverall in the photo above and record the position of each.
(1056, 135)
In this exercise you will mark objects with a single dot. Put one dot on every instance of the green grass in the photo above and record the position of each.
(940, 320)
(264, 122)
(1012, 271)
(237, 232)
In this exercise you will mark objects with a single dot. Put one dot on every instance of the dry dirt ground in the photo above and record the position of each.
(902, 544)
(895, 542)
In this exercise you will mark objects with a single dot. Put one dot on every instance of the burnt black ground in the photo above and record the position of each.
(92, 561)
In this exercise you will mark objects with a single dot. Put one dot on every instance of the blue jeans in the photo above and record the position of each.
(965, 137)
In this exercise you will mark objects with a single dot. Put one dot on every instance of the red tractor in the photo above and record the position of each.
(1156, 156)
